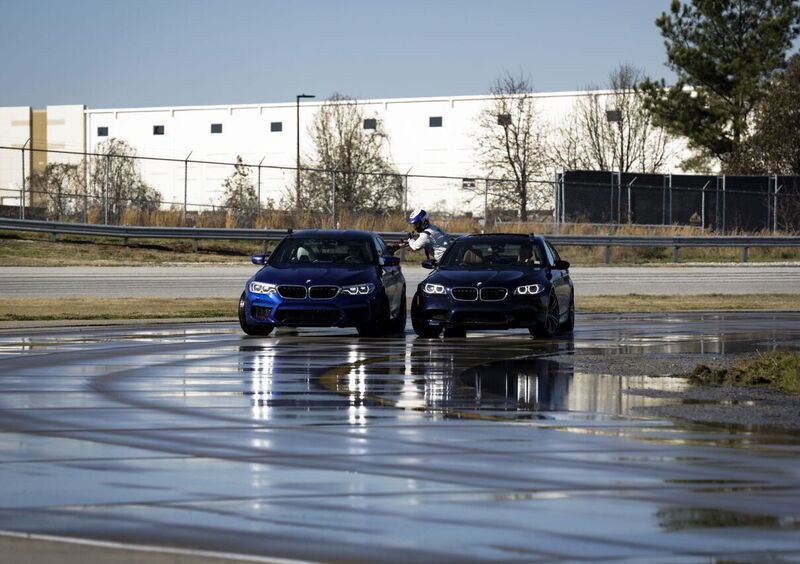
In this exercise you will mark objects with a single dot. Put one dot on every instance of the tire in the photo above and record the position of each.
(421, 326)
(551, 324)
(380, 325)
(398, 324)
(569, 324)
(455, 333)
(255, 330)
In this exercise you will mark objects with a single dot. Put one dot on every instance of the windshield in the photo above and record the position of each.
(300, 251)
(493, 254)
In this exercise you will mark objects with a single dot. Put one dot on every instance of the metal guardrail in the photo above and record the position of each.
(199, 233)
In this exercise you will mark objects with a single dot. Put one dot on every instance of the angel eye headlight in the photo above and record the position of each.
(263, 288)
(358, 289)
(433, 289)
(529, 290)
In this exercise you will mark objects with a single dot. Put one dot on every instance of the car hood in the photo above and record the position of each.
(488, 277)
(317, 275)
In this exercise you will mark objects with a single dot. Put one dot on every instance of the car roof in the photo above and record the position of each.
(500, 236)
(333, 233)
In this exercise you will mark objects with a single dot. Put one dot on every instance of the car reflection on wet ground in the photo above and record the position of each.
(326, 446)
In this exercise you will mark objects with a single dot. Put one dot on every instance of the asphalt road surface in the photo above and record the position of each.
(228, 281)
(326, 446)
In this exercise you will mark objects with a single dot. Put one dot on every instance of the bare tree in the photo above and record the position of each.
(511, 147)
(118, 170)
(353, 152)
(239, 196)
(60, 187)
(611, 130)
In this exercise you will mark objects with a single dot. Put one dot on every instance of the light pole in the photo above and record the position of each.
(297, 171)
(615, 116)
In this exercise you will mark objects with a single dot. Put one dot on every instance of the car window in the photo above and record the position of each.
(493, 254)
(381, 246)
(299, 251)
(549, 252)
(553, 251)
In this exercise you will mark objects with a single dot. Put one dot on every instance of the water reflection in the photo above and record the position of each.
(540, 384)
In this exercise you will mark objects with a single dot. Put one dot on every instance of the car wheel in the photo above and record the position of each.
(569, 324)
(398, 324)
(550, 327)
(422, 326)
(380, 325)
(455, 333)
(250, 329)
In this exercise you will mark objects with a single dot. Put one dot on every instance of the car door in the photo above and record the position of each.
(560, 280)
(391, 278)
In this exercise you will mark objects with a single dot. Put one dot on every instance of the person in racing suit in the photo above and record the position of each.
(431, 238)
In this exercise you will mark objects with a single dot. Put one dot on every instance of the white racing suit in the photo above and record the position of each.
(433, 240)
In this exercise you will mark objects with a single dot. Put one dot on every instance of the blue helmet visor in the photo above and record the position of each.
(416, 218)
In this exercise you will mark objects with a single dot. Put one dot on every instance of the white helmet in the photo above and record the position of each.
(419, 218)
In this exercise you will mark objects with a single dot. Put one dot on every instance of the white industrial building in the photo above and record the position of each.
(428, 136)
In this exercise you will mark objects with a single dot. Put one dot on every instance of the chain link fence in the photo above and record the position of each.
(120, 188)
(717, 203)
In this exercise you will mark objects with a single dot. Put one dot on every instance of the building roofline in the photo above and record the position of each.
(366, 101)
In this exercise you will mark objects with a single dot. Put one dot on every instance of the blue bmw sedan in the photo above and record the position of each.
(496, 281)
(318, 278)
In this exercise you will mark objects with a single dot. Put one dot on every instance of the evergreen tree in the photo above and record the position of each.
(774, 147)
(725, 54)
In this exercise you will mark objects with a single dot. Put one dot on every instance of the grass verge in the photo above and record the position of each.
(779, 370)
(36, 249)
(203, 308)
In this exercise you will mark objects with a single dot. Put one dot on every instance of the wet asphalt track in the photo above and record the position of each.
(325, 446)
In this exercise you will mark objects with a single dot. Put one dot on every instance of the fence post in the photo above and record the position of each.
(775, 204)
(723, 203)
(333, 199)
(85, 191)
(744, 254)
(105, 191)
(259, 183)
(186, 185)
(670, 198)
(556, 202)
(22, 190)
(703, 206)
(485, 204)
(675, 254)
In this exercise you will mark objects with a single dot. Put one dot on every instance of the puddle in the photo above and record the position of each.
(538, 384)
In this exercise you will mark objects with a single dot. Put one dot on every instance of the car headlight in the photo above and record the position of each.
(529, 290)
(263, 288)
(433, 289)
(358, 289)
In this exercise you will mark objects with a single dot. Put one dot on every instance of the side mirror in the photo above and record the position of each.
(390, 261)
(429, 263)
(259, 259)
(561, 265)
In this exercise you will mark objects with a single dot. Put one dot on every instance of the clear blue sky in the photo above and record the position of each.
(180, 52)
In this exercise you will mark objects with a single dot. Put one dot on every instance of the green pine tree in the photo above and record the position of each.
(725, 54)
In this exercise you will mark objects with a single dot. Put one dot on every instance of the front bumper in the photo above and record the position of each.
(341, 311)
(513, 311)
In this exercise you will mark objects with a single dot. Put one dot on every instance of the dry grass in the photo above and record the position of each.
(74, 250)
(707, 302)
(115, 308)
(779, 369)
(200, 308)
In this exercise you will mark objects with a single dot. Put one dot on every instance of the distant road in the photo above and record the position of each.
(228, 281)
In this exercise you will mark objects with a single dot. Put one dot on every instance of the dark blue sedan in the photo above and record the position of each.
(496, 281)
(320, 278)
